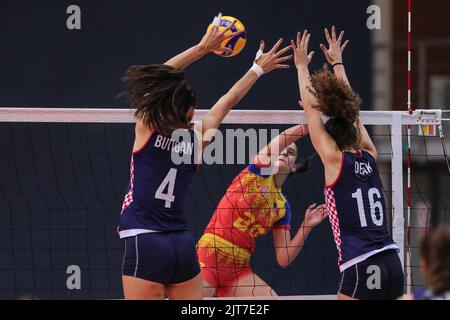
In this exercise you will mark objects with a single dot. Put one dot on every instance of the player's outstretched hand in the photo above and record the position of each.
(335, 46)
(213, 38)
(301, 56)
(273, 59)
(315, 215)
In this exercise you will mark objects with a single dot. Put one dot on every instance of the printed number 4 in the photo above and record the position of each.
(373, 205)
(168, 180)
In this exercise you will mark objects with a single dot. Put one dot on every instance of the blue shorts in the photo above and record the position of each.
(379, 277)
(162, 257)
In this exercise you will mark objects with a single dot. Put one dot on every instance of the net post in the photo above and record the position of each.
(398, 221)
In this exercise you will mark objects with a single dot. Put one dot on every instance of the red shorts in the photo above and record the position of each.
(222, 264)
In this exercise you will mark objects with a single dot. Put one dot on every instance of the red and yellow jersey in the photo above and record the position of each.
(250, 208)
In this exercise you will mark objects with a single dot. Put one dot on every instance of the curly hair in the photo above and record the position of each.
(340, 103)
(161, 96)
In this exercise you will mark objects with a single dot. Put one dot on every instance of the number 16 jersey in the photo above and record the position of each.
(357, 210)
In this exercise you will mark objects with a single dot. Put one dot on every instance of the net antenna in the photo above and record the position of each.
(410, 111)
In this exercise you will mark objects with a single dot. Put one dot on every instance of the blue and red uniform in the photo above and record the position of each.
(357, 213)
(158, 246)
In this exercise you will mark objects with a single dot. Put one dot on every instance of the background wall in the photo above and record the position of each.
(44, 64)
(61, 186)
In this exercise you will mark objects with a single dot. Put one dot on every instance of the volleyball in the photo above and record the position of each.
(237, 43)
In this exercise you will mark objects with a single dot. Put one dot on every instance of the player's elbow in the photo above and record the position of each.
(283, 264)
(282, 260)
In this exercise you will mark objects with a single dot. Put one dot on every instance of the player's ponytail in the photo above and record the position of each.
(340, 103)
(302, 167)
(161, 96)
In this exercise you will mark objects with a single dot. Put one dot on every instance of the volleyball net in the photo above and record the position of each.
(63, 179)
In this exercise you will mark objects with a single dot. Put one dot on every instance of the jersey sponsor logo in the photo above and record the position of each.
(168, 144)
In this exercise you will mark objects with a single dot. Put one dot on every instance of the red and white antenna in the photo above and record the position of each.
(410, 111)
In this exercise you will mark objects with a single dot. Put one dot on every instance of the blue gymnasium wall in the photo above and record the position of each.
(61, 185)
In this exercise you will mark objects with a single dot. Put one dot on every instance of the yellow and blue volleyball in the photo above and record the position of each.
(237, 43)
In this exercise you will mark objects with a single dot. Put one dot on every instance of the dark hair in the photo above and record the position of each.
(161, 96)
(435, 250)
(337, 100)
(302, 167)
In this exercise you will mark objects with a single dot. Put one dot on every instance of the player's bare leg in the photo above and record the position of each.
(251, 286)
(140, 289)
(188, 290)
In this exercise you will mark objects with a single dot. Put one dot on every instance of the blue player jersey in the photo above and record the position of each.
(157, 189)
(357, 210)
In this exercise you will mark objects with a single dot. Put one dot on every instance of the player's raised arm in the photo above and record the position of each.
(322, 142)
(211, 41)
(263, 64)
(279, 143)
(287, 248)
(333, 54)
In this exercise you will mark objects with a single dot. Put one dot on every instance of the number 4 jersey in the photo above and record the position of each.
(155, 195)
(357, 210)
